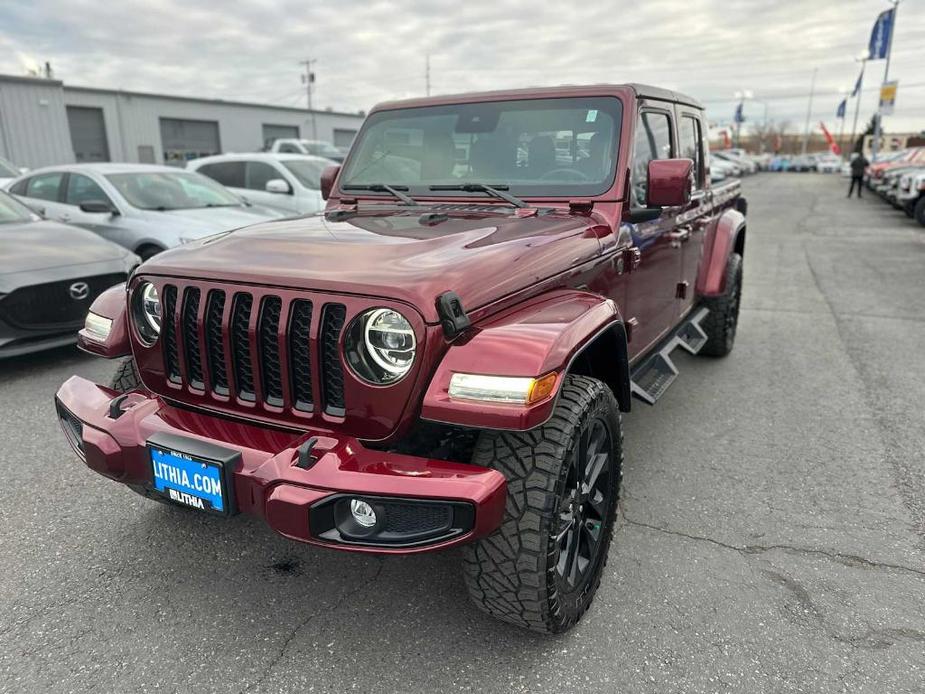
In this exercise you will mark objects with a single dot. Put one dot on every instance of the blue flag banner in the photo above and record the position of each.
(880, 36)
(739, 117)
(857, 85)
(840, 113)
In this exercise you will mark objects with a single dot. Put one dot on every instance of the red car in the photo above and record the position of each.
(443, 357)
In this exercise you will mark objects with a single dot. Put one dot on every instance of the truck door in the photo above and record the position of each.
(695, 220)
(652, 306)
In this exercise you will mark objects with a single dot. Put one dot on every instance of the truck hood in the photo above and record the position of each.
(396, 254)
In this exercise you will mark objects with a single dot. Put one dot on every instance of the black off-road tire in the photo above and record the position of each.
(720, 324)
(125, 378)
(512, 574)
(919, 212)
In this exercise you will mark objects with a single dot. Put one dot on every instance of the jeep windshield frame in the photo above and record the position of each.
(551, 147)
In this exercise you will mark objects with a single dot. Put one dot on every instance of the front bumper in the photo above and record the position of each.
(267, 482)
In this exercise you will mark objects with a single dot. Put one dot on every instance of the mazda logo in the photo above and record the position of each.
(79, 291)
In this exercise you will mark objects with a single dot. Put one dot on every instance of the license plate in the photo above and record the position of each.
(192, 473)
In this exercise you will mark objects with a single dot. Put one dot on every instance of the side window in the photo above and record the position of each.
(258, 173)
(82, 189)
(288, 149)
(20, 188)
(44, 186)
(653, 141)
(690, 147)
(228, 173)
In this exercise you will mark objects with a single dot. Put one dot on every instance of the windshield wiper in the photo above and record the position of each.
(383, 188)
(494, 191)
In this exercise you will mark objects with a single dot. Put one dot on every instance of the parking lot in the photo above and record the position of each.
(772, 535)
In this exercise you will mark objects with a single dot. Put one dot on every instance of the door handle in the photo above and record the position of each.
(65, 217)
(682, 235)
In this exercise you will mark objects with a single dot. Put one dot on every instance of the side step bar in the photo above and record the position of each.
(651, 378)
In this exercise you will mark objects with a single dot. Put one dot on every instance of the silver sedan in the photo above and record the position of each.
(144, 208)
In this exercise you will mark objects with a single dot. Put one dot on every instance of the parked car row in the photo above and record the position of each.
(823, 162)
(899, 179)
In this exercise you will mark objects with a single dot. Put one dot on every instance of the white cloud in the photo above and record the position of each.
(372, 50)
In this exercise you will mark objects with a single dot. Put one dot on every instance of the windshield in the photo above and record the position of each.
(321, 149)
(14, 211)
(540, 147)
(7, 170)
(307, 171)
(166, 190)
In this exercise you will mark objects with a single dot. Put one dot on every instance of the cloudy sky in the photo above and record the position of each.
(371, 50)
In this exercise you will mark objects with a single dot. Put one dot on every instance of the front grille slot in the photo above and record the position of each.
(270, 362)
(171, 352)
(190, 331)
(332, 373)
(300, 361)
(215, 346)
(240, 346)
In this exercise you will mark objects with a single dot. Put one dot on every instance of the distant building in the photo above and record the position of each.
(45, 122)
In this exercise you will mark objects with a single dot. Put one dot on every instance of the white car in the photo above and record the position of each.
(828, 163)
(290, 183)
(143, 207)
(9, 172)
(316, 148)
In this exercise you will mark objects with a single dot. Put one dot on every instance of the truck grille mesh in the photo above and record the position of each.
(332, 379)
(240, 345)
(215, 347)
(300, 322)
(191, 337)
(259, 347)
(171, 352)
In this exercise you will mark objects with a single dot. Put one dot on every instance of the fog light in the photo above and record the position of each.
(362, 513)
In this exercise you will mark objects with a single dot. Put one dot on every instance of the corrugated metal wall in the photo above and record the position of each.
(34, 128)
(33, 123)
(133, 120)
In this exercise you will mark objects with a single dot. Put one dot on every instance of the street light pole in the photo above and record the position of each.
(857, 103)
(309, 81)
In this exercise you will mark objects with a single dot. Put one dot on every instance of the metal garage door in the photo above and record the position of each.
(278, 132)
(88, 133)
(343, 138)
(183, 140)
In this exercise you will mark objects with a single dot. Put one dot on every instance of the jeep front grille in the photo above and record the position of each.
(265, 355)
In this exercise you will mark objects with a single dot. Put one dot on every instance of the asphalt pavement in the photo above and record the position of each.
(771, 537)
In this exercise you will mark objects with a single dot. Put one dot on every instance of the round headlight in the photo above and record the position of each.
(146, 311)
(380, 346)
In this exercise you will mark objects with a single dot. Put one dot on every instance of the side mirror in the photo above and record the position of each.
(96, 207)
(279, 186)
(671, 182)
(328, 176)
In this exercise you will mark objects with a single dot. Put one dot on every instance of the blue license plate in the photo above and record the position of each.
(188, 480)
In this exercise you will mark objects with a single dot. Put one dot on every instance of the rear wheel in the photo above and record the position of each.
(148, 251)
(126, 377)
(920, 211)
(721, 323)
(542, 567)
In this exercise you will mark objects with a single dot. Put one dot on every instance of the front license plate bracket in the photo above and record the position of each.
(194, 473)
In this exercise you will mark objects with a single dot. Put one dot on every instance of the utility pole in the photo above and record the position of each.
(875, 144)
(427, 73)
(809, 110)
(857, 104)
(309, 79)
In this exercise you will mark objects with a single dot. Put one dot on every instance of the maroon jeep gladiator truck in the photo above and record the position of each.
(442, 357)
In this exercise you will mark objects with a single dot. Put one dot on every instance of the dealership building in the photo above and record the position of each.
(45, 122)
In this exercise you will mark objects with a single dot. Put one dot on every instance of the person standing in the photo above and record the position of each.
(858, 164)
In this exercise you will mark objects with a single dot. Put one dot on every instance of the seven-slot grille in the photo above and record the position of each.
(257, 347)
